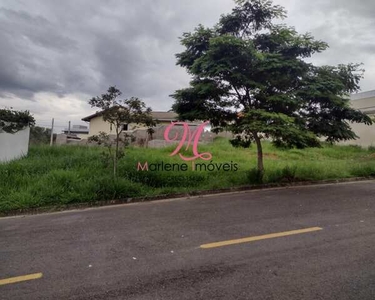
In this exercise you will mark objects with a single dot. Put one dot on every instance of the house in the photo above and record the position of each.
(365, 102)
(79, 131)
(97, 123)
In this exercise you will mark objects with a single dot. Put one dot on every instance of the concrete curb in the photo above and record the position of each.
(59, 208)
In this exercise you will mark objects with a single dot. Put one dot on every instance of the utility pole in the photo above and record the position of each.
(51, 142)
(69, 129)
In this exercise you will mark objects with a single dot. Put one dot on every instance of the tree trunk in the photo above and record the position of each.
(115, 157)
(260, 157)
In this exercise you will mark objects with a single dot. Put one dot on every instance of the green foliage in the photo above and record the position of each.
(150, 132)
(104, 139)
(250, 75)
(241, 141)
(39, 135)
(56, 176)
(12, 121)
(255, 176)
(118, 112)
(101, 139)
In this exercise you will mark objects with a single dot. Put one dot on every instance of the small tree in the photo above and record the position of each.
(119, 112)
(40, 135)
(250, 76)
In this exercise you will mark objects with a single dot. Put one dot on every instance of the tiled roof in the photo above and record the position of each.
(164, 115)
(157, 115)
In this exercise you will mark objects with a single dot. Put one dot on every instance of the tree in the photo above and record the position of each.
(250, 76)
(12, 121)
(40, 135)
(119, 112)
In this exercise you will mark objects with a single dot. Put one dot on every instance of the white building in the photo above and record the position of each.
(366, 103)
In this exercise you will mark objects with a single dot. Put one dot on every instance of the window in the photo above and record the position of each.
(125, 127)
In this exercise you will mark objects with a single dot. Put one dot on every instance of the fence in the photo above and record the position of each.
(13, 146)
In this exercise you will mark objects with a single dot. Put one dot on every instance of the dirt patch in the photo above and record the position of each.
(367, 157)
(271, 156)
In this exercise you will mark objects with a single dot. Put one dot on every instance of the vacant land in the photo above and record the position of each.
(54, 176)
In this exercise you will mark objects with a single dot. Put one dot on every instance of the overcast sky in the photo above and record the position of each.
(55, 55)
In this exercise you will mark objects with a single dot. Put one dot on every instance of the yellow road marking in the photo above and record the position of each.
(259, 237)
(20, 278)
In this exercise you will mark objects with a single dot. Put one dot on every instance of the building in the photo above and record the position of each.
(365, 102)
(97, 123)
(80, 131)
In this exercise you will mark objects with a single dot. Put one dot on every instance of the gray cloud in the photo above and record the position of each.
(76, 49)
(360, 8)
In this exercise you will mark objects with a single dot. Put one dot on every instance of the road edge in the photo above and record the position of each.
(182, 196)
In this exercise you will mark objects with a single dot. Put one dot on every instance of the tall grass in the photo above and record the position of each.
(51, 176)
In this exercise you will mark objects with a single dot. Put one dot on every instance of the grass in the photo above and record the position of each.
(55, 176)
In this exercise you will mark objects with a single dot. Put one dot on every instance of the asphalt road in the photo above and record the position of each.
(153, 250)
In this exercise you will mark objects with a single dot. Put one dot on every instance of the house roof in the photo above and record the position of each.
(88, 118)
(164, 115)
(364, 101)
(363, 95)
(157, 115)
(77, 129)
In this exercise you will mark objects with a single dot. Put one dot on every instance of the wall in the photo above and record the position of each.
(97, 124)
(366, 103)
(83, 135)
(366, 135)
(14, 146)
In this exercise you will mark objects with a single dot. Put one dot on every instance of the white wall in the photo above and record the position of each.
(366, 103)
(365, 133)
(97, 124)
(14, 146)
